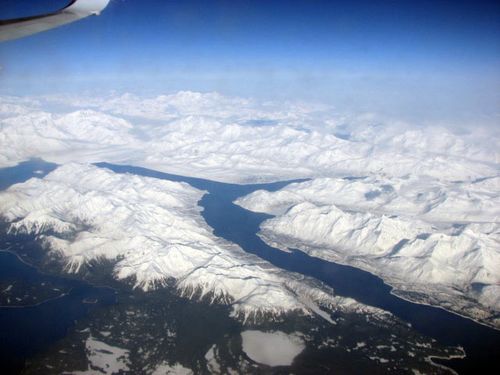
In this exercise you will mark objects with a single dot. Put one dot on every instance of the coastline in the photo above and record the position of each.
(394, 290)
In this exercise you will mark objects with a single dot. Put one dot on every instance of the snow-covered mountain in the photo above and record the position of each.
(427, 204)
(414, 196)
(239, 140)
(422, 235)
(154, 231)
(14, 106)
(53, 136)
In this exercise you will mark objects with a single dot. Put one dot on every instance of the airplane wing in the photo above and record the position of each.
(76, 10)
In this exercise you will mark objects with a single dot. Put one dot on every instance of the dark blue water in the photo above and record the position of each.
(24, 331)
(24, 171)
(482, 344)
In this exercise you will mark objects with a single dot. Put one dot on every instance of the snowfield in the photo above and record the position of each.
(154, 231)
(420, 234)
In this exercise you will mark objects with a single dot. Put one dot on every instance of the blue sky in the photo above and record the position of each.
(403, 58)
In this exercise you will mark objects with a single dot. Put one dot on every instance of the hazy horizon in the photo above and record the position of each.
(422, 62)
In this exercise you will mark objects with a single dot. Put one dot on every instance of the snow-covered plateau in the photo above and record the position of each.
(433, 241)
(154, 231)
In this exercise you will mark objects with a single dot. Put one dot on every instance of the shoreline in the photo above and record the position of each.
(39, 303)
(394, 290)
(63, 276)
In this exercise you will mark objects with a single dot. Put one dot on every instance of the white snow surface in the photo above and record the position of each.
(176, 369)
(212, 360)
(104, 358)
(418, 233)
(154, 231)
(272, 348)
(237, 140)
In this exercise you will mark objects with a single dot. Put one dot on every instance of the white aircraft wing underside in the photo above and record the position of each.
(77, 9)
